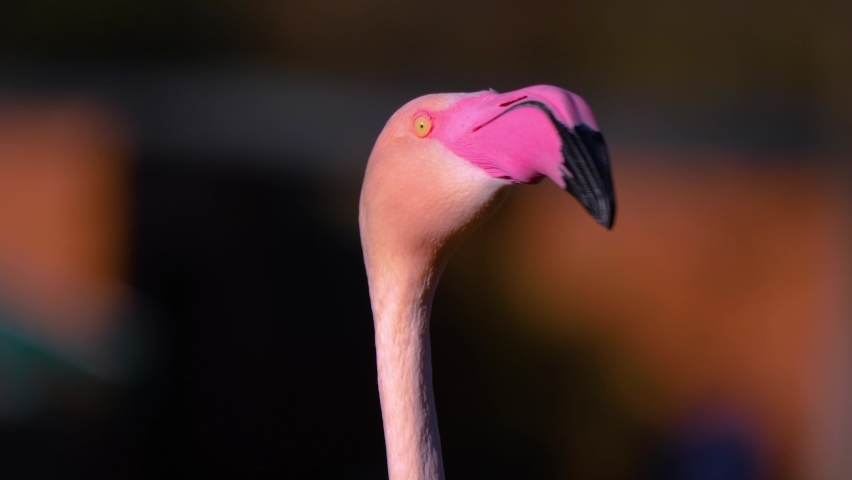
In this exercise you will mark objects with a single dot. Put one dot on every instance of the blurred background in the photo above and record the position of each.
(181, 281)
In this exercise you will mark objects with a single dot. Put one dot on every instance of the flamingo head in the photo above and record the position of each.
(441, 159)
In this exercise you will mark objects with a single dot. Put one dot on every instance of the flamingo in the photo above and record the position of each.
(438, 169)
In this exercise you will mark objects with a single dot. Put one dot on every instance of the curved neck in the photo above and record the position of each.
(416, 206)
(401, 306)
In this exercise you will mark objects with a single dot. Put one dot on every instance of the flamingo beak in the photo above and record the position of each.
(582, 167)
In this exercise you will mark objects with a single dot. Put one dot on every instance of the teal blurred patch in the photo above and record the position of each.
(39, 377)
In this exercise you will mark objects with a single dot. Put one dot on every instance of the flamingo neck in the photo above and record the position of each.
(401, 310)
(416, 207)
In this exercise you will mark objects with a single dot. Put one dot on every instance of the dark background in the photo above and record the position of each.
(222, 147)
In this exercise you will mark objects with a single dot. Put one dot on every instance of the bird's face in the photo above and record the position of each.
(440, 160)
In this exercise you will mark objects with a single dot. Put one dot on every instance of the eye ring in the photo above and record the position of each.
(422, 125)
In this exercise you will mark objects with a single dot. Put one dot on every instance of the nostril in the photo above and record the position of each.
(506, 104)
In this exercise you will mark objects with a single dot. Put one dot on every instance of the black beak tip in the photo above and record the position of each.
(599, 204)
(586, 157)
(605, 217)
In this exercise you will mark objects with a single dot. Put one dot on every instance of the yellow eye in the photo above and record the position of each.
(422, 126)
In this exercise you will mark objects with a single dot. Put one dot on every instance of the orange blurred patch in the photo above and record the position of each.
(710, 282)
(63, 214)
